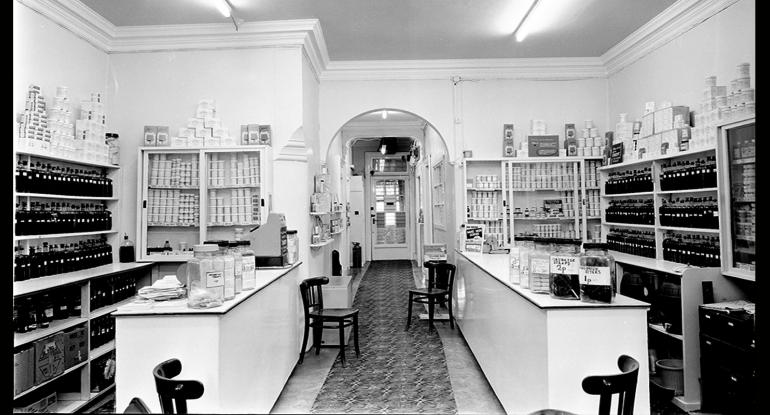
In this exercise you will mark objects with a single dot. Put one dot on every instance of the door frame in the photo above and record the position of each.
(410, 204)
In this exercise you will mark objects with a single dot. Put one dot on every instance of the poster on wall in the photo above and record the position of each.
(474, 237)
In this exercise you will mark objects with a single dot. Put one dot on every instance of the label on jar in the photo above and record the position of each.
(590, 275)
(215, 279)
(539, 266)
(564, 264)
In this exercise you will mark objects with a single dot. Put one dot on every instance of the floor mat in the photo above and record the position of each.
(398, 371)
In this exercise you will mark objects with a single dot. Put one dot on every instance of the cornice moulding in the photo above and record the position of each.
(77, 18)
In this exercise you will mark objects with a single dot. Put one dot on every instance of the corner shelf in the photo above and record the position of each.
(320, 244)
(50, 156)
(30, 286)
(657, 158)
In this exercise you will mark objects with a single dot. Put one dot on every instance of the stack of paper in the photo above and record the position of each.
(166, 288)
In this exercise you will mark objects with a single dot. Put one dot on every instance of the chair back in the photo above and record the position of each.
(441, 275)
(173, 389)
(624, 384)
(312, 295)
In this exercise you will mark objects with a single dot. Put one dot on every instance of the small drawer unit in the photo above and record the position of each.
(728, 360)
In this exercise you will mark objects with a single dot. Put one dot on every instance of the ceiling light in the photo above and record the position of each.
(224, 7)
(384, 114)
(523, 29)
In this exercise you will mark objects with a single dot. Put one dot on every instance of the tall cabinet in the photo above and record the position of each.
(190, 195)
(66, 281)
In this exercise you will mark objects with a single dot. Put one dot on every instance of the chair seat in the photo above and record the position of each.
(429, 291)
(334, 313)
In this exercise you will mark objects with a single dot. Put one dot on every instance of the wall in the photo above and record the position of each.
(676, 72)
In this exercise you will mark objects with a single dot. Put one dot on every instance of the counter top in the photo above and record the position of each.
(497, 265)
(265, 277)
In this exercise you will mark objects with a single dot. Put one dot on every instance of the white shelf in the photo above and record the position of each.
(659, 328)
(707, 189)
(320, 244)
(21, 288)
(742, 274)
(475, 189)
(485, 219)
(650, 263)
(66, 371)
(629, 194)
(234, 186)
(71, 406)
(319, 213)
(544, 218)
(101, 350)
(157, 186)
(629, 225)
(55, 326)
(247, 225)
(685, 229)
(65, 159)
(744, 160)
(651, 159)
(51, 196)
(170, 225)
(109, 308)
(166, 258)
(552, 189)
(60, 235)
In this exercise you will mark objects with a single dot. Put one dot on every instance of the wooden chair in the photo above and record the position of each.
(173, 389)
(624, 384)
(441, 277)
(320, 318)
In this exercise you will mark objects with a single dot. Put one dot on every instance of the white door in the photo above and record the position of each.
(390, 233)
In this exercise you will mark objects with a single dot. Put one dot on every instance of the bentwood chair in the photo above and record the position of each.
(173, 389)
(319, 318)
(441, 277)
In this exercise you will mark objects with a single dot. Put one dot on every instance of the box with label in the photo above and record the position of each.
(194, 142)
(44, 405)
(265, 135)
(49, 357)
(150, 135)
(508, 148)
(543, 145)
(76, 348)
(244, 138)
(162, 138)
(23, 370)
(683, 138)
(648, 126)
(253, 132)
(664, 118)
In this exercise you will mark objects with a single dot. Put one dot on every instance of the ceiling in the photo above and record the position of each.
(418, 29)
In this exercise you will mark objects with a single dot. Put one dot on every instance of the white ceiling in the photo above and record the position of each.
(417, 29)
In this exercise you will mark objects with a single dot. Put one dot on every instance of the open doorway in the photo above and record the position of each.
(386, 162)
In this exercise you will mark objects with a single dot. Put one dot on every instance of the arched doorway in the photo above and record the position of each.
(393, 207)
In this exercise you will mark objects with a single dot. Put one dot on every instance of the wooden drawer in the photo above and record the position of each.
(736, 329)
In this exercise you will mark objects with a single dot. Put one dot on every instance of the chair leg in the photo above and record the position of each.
(451, 317)
(342, 342)
(317, 334)
(409, 312)
(355, 334)
(431, 308)
(304, 343)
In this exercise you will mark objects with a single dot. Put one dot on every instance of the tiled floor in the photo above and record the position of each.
(470, 390)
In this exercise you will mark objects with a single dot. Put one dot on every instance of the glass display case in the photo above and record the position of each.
(738, 198)
(190, 195)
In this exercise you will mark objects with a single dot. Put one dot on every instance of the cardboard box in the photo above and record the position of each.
(45, 405)
(648, 126)
(543, 145)
(244, 140)
(150, 135)
(49, 357)
(265, 135)
(161, 138)
(76, 350)
(23, 370)
(253, 131)
(664, 118)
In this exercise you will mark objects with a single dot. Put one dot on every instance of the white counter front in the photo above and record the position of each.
(243, 351)
(535, 350)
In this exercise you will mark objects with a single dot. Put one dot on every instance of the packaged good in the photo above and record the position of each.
(539, 266)
(205, 277)
(565, 263)
(248, 260)
(597, 274)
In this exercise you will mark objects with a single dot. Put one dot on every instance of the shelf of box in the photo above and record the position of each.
(55, 326)
(497, 189)
(745, 160)
(67, 160)
(67, 406)
(651, 159)
(52, 196)
(569, 189)
(706, 189)
(629, 194)
(685, 229)
(173, 187)
(320, 244)
(660, 329)
(60, 235)
(101, 350)
(650, 263)
(485, 219)
(21, 288)
(234, 186)
(109, 308)
(66, 371)
(630, 225)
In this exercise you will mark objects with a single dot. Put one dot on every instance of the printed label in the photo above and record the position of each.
(539, 266)
(594, 275)
(564, 265)
(215, 279)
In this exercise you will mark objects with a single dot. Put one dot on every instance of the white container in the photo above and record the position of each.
(711, 81)
(672, 374)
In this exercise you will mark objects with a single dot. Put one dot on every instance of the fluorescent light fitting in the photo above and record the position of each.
(384, 114)
(522, 30)
(224, 7)
(383, 146)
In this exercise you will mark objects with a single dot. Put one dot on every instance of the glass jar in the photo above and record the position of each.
(229, 270)
(291, 246)
(597, 274)
(235, 251)
(539, 266)
(205, 277)
(564, 280)
(248, 260)
(526, 245)
(514, 270)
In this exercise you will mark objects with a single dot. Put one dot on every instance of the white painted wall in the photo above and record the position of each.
(677, 71)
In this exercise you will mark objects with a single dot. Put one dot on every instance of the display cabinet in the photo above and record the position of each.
(737, 152)
(190, 195)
